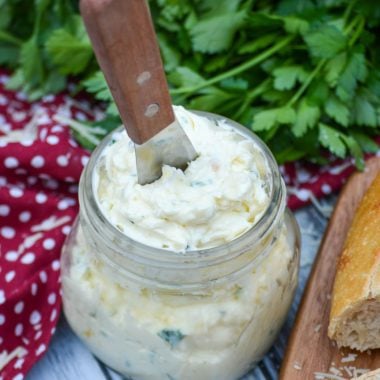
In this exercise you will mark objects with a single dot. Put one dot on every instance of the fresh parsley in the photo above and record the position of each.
(304, 75)
(173, 337)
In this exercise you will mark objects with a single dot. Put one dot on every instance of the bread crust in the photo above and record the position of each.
(373, 375)
(357, 280)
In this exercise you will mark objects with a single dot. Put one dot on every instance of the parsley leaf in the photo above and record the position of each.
(331, 139)
(307, 116)
(286, 77)
(267, 119)
(326, 41)
(364, 112)
(354, 72)
(337, 110)
(70, 48)
(173, 337)
(209, 37)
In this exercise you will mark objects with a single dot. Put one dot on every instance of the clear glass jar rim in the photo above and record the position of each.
(197, 258)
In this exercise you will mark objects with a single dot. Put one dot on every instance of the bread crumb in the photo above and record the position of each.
(297, 366)
(317, 327)
(325, 376)
(349, 358)
(335, 371)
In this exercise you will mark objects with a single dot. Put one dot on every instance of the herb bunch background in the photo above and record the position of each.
(304, 75)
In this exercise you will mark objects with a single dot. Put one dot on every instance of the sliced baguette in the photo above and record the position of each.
(355, 308)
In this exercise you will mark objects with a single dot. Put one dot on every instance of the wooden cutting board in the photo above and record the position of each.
(309, 350)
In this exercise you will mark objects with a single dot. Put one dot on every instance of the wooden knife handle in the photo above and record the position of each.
(125, 45)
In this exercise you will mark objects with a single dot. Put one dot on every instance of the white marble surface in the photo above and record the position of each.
(68, 359)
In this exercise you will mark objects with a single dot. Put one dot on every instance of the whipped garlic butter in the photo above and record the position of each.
(223, 218)
(218, 198)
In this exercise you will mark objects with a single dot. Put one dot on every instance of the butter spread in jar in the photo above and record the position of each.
(190, 276)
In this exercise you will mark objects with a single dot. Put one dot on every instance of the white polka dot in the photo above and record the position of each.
(10, 276)
(35, 317)
(37, 162)
(81, 116)
(4, 210)
(51, 184)
(66, 230)
(3, 143)
(11, 256)
(326, 189)
(18, 116)
(43, 134)
(11, 162)
(19, 307)
(16, 192)
(43, 277)
(37, 327)
(44, 176)
(52, 298)
(62, 160)
(37, 335)
(52, 140)
(6, 128)
(19, 376)
(57, 128)
(48, 98)
(20, 95)
(43, 118)
(19, 329)
(48, 243)
(27, 142)
(41, 198)
(21, 171)
(3, 181)
(53, 315)
(8, 232)
(40, 349)
(19, 363)
(2, 319)
(73, 143)
(84, 160)
(303, 194)
(73, 189)
(52, 331)
(3, 100)
(32, 180)
(28, 258)
(34, 289)
(55, 265)
(70, 179)
(24, 216)
(65, 203)
(2, 297)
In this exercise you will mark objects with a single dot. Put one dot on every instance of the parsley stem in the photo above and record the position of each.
(257, 91)
(357, 33)
(307, 82)
(352, 25)
(7, 37)
(77, 127)
(238, 69)
(348, 10)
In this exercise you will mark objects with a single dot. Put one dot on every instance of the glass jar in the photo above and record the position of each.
(153, 314)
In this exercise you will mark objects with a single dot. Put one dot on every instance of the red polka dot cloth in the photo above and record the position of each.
(40, 166)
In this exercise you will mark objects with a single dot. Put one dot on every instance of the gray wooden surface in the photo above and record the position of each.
(68, 359)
